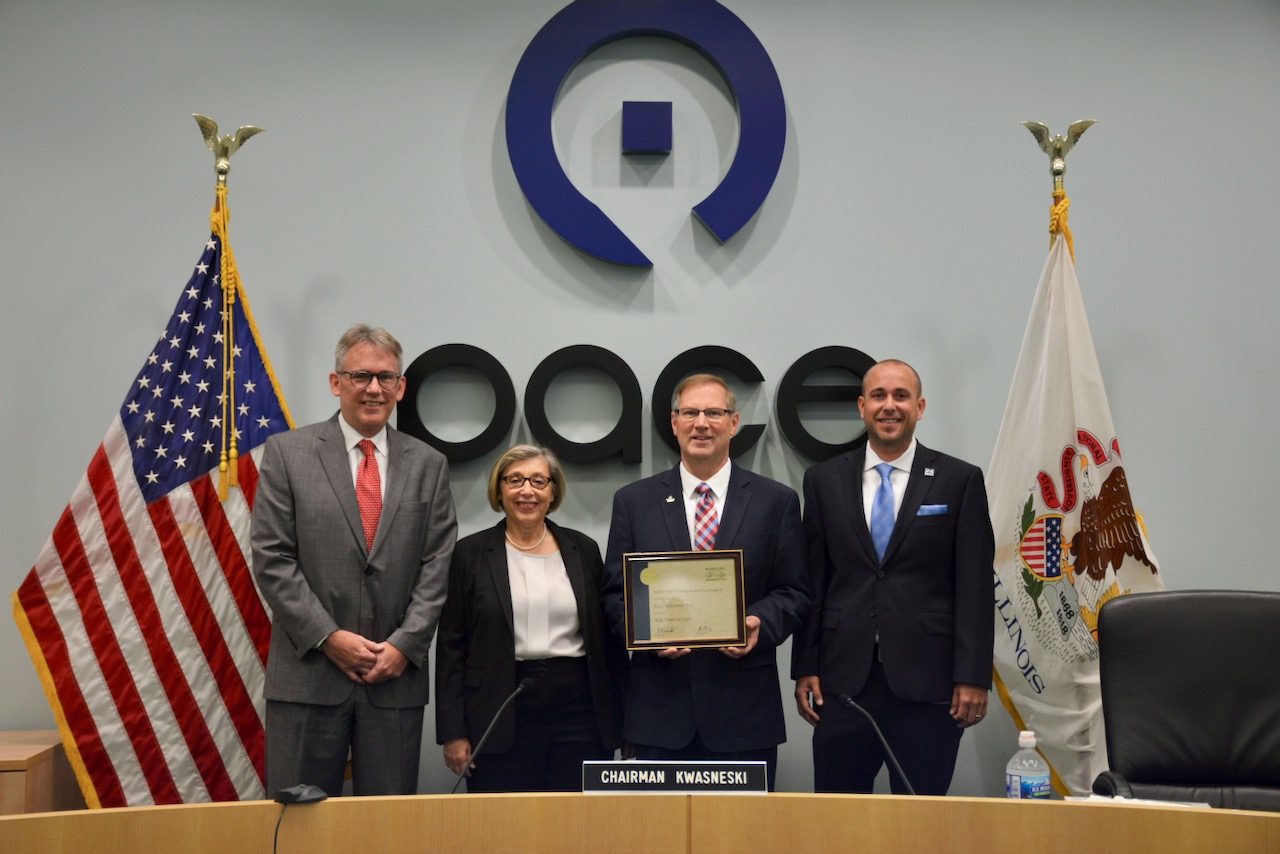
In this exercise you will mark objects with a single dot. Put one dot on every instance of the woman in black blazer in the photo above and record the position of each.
(524, 606)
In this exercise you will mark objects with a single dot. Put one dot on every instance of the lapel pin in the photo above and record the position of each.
(928, 472)
(671, 499)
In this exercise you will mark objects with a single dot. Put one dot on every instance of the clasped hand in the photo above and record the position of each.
(362, 660)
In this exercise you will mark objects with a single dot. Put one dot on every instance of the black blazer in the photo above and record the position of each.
(732, 704)
(475, 653)
(930, 600)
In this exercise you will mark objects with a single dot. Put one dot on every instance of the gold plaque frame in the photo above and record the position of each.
(684, 599)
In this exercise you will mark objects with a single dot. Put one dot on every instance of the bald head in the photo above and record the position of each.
(891, 403)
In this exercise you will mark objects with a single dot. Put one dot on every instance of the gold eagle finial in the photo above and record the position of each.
(225, 146)
(1058, 146)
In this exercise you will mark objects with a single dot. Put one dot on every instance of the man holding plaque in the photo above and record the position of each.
(710, 703)
(900, 562)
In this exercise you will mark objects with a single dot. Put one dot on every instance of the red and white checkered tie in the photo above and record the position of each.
(369, 492)
(706, 522)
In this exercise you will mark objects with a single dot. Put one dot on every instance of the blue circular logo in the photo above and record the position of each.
(585, 25)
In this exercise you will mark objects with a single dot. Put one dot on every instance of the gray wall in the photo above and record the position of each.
(909, 219)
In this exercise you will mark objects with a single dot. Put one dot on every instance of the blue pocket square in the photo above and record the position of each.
(932, 510)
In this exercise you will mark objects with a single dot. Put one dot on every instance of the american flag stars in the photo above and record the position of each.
(176, 413)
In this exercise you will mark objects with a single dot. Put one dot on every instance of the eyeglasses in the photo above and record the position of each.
(361, 379)
(537, 481)
(691, 415)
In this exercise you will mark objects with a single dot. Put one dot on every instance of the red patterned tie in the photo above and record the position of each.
(706, 522)
(369, 492)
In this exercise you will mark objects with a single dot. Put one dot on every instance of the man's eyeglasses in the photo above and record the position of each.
(361, 379)
(691, 415)
(537, 481)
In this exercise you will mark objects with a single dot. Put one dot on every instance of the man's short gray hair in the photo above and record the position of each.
(362, 333)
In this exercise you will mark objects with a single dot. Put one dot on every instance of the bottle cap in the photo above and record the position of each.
(1026, 738)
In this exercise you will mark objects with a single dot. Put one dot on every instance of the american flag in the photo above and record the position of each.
(141, 614)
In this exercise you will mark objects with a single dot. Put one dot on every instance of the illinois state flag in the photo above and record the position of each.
(1067, 536)
(141, 613)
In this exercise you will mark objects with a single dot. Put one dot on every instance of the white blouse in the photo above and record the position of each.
(543, 608)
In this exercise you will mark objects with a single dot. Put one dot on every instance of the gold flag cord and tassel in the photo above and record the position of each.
(1058, 221)
(228, 465)
(1057, 148)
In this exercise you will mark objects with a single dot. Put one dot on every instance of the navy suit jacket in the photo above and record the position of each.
(732, 704)
(930, 600)
(475, 653)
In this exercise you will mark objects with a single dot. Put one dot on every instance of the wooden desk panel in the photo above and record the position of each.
(197, 829)
(621, 824)
(883, 823)
(466, 824)
(35, 775)
(491, 824)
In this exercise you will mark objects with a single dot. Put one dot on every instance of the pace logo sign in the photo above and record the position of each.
(796, 390)
(585, 25)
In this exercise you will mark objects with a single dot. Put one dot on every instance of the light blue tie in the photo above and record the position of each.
(882, 511)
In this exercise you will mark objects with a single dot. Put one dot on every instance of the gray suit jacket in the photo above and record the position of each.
(317, 576)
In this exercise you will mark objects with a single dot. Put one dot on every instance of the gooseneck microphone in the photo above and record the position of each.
(846, 700)
(524, 683)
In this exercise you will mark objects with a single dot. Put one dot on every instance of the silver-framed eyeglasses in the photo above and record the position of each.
(713, 415)
(361, 379)
(537, 481)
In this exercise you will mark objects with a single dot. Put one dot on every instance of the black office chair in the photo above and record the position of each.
(1191, 697)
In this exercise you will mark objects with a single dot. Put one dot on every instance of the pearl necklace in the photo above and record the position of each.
(532, 547)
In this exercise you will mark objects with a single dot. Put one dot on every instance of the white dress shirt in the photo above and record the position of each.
(719, 484)
(897, 479)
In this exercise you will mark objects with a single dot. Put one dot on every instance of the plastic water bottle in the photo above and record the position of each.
(1027, 774)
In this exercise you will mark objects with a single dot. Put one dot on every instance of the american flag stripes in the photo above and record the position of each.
(141, 614)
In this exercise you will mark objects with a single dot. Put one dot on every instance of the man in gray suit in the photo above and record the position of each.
(353, 529)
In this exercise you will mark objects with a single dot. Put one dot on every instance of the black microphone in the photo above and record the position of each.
(846, 700)
(524, 683)
(299, 794)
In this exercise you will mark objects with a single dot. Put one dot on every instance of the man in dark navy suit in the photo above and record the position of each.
(900, 565)
(711, 704)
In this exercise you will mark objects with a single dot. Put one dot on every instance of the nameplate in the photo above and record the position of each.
(637, 777)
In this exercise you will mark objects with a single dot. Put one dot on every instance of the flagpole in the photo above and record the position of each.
(219, 223)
